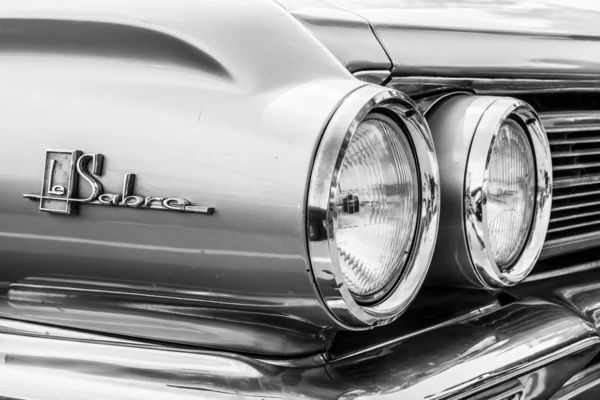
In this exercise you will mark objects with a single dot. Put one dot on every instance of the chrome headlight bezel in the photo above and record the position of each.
(476, 177)
(326, 267)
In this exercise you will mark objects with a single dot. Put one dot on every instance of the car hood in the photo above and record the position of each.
(504, 38)
(540, 17)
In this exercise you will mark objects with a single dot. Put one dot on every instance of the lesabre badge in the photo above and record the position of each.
(61, 175)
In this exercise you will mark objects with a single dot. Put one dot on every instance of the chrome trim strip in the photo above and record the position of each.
(28, 328)
(396, 340)
(376, 77)
(322, 246)
(563, 271)
(423, 85)
(575, 243)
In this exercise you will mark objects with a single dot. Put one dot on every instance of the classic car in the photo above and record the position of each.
(300, 199)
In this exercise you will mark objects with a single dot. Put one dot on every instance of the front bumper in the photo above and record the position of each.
(532, 347)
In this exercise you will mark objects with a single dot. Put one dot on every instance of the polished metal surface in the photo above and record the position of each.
(433, 308)
(512, 390)
(574, 121)
(573, 269)
(540, 384)
(322, 241)
(227, 118)
(507, 38)
(575, 218)
(29, 328)
(428, 85)
(137, 311)
(346, 34)
(584, 385)
(59, 198)
(377, 77)
(570, 244)
(542, 342)
(463, 128)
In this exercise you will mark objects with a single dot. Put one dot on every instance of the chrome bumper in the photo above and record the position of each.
(532, 346)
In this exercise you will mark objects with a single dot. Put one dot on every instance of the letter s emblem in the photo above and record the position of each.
(82, 170)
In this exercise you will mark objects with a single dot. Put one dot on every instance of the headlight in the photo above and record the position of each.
(376, 205)
(372, 207)
(496, 179)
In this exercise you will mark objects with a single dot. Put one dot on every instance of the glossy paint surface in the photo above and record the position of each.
(546, 38)
(347, 35)
(221, 103)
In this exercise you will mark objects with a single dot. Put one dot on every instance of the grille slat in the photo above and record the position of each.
(577, 205)
(569, 227)
(570, 216)
(563, 142)
(576, 166)
(576, 181)
(575, 144)
(577, 194)
(560, 154)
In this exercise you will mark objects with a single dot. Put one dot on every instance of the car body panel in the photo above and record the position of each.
(199, 102)
(347, 35)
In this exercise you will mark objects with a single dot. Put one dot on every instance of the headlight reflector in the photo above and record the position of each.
(510, 193)
(376, 207)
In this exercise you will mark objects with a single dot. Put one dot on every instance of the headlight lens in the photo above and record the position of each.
(510, 193)
(376, 207)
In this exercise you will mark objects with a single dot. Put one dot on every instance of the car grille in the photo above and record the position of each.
(575, 144)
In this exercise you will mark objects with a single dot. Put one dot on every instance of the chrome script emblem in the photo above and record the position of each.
(62, 171)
